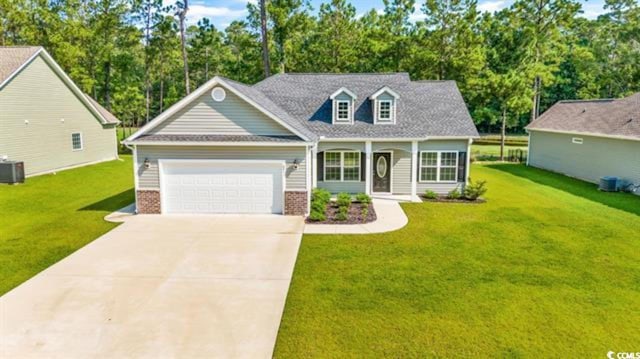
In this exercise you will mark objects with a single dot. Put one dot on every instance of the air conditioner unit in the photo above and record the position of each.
(609, 184)
(11, 172)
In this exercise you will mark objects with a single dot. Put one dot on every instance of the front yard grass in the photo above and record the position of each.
(51, 216)
(548, 267)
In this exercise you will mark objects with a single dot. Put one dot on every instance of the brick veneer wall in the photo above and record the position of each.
(295, 203)
(148, 202)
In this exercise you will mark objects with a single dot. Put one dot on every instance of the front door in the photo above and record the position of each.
(382, 172)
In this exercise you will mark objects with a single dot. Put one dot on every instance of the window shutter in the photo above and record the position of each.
(363, 166)
(320, 166)
(462, 166)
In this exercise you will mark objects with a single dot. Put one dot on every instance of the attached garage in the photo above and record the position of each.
(222, 186)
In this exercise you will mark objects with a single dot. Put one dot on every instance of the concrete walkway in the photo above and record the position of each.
(390, 215)
(159, 287)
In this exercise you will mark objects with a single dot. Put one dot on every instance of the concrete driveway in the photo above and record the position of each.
(160, 286)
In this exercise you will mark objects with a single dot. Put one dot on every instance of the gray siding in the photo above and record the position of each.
(337, 187)
(441, 145)
(149, 179)
(38, 95)
(233, 116)
(594, 158)
(401, 172)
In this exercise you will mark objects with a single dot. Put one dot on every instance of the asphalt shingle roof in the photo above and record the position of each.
(611, 117)
(425, 108)
(12, 57)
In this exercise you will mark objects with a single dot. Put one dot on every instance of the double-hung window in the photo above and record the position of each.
(343, 112)
(342, 166)
(384, 111)
(76, 141)
(438, 166)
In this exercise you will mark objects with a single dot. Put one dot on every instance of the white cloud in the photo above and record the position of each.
(492, 6)
(592, 11)
(197, 12)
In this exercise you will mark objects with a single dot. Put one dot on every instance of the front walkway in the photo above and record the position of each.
(159, 286)
(390, 215)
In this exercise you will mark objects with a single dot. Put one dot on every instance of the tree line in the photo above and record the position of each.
(138, 57)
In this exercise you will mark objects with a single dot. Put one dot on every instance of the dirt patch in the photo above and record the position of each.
(354, 216)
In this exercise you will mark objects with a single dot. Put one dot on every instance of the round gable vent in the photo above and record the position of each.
(218, 94)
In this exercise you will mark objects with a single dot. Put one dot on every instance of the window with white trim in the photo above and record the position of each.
(342, 166)
(76, 141)
(384, 111)
(343, 112)
(438, 166)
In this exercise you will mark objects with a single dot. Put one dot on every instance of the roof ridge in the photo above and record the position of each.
(588, 100)
(343, 73)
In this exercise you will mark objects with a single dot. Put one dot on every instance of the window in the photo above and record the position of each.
(76, 141)
(438, 166)
(343, 166)
(577, 140)
(343, 114)
(384, 111)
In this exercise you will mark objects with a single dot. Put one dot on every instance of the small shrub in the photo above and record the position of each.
(454, 194)
(321, 195)
(364, 212)
(430, 194)
(343, 200)
(318, 206)
(363, 198)
(317, 216)
(343, 213)
(475, 190)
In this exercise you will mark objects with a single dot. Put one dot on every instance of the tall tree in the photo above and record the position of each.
(182, 8)
(264, 39)
(148, 11)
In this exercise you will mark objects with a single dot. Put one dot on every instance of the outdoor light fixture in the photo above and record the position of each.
(147, 163)
(295, 164)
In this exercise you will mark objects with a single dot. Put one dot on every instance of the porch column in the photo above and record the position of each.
(367, 167)
(314, 167)
(414, 170)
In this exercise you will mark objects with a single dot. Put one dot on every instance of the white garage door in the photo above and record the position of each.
(221, 186)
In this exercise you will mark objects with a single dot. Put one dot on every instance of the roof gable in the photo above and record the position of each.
(13, 59)
(385, 89)
(343, 90)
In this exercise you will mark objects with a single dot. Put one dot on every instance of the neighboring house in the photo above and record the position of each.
(234, 148)
(45, 120)
(589, 139)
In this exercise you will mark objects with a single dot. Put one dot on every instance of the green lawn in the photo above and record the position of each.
(548, 267)
(51, 216)
(493, 150)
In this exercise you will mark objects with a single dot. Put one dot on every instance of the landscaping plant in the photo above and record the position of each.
(343, 200)
(454, 194)
(429, 194)
(475, 190)
(342, 214)
(363, 198)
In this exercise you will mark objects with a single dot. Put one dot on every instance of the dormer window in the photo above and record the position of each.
(384, 103)
(384, 110)
(343, 102)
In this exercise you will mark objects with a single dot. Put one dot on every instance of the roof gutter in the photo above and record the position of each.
(215, 143)
(592, 134)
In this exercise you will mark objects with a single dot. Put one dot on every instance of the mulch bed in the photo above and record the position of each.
(354, 217)
(447, 200)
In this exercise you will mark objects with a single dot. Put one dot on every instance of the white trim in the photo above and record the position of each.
(383, 90)
(438, 166)
(314, 167)
(617, 137)
(528, 147)
(577, 140)
(414, 169)
(341, 152)
(238, 163)
(81, 141)
(309, 180)
(199, 92)
(388, 121)
(390, 165)
(368, 168)
(341, 121)
(214, 143)
(393, 139)
(65, 78)
(341, 90)
(136, 180)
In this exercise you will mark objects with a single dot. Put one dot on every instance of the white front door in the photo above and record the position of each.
(221, 186)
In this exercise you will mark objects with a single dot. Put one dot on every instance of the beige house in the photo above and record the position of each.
(45, 119)
(589, 139)
(235, 148)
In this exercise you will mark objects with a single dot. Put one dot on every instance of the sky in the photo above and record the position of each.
(223, 12)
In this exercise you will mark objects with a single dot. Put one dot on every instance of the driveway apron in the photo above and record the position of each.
(160, 286)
